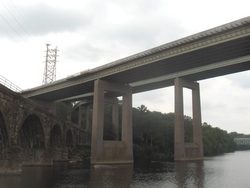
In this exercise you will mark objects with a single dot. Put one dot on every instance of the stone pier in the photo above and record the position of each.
(31, 134)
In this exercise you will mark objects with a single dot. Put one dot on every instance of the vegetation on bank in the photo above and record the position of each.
(153, 133)
(82, 151)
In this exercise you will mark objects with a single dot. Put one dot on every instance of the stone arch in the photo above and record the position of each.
(4, 139)
(31, 133)
(69, 139)
(56, 140)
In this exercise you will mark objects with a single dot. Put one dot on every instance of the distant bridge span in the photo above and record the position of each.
(215, 52)
(242, 141)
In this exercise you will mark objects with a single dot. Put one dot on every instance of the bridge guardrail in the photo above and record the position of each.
(4, 81)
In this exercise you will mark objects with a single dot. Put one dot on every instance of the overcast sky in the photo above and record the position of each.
(91, 33)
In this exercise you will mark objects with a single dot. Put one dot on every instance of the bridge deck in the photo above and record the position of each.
(215, 52)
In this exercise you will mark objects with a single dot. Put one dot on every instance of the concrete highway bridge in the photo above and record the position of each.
(182, 63)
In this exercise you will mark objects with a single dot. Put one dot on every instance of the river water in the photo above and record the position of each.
(228, 170)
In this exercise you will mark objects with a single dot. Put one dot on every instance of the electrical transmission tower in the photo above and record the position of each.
(50, 65)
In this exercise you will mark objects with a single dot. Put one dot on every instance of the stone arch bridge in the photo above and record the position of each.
(31, 135)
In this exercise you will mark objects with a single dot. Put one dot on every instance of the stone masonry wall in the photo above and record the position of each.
(17, 111)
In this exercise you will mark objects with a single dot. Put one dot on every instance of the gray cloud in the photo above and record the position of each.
(111, 42)
(146, 33)
(42, 19)
(84, 52)
(240, 79)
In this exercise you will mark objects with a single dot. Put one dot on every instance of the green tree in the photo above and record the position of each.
(108, 130)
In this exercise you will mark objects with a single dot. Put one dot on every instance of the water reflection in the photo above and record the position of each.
(111, 176)
(31, 177)
(229, 170)
(189, 174)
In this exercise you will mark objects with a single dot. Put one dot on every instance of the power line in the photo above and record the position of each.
(35, 17)
(11, 27)
(16, 20)
(9, 34)
(24, 19)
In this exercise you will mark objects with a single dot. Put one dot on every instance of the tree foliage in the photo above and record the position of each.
(153, 132)
(216, 140)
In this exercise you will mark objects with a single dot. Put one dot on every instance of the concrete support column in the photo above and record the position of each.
(187, 151)
(197, 124)
(80, 116)
(115, 119)
(97, 122)
(111, 152)
(69, 109)
(127, 128)
(87, 119)
(179, 121)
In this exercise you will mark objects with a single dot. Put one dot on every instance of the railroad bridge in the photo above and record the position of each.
(31, 135)
(242, 141)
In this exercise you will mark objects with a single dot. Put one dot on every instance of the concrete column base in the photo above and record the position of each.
(113, 152)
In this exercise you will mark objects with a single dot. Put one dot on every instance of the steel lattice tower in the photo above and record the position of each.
(50, 65)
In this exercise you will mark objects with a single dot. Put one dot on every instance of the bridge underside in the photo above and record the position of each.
(215, 52)
(216, 60)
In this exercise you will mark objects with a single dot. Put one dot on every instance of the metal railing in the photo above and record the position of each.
(4, 81)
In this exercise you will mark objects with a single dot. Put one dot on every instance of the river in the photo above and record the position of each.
(227, 170)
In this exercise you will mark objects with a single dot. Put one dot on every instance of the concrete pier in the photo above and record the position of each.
(111, 152)
(182, 150)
